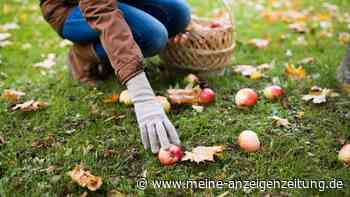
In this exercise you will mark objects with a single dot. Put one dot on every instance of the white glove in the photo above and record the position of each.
(156, 129)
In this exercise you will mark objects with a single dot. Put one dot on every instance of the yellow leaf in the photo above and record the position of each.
(85, 178)
(295, 73)
(202, 153)
(256, 76)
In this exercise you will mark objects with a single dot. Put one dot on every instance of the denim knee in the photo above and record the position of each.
(154, 40)
(180, 17)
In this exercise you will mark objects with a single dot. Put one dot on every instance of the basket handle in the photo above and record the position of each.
(227, 4)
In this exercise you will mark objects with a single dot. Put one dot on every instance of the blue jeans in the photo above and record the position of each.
(152, 23)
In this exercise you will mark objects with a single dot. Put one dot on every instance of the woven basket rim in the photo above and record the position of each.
(208, 51)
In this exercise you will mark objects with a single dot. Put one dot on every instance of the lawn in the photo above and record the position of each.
(78, 127)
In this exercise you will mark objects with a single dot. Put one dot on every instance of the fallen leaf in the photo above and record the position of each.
(30, 106)
(9, 26)
(301, 115)
(245, 70)
(278, 122)
(344, 38)
(111, 99)
(295, 73)
(264, 67)
(184, 96)
(318, 95)
(308, 60)
(298, 27)
(259, 43)
(115, 193)
(85, 178)
(12, 96)
(202, 153)
(4, 39)
(48, 62)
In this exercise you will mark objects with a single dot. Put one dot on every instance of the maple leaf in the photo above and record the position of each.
(30, 106)
(280, 122)
(203, 153)
(85, 178)
(259, 43)
(12, 96)
(295, 73)
(318, 95)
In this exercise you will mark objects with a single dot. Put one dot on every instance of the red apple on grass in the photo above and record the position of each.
(344, 154)
(206, 96)
(273, 92)
(246, 97)
(249, 141)
(170, 156)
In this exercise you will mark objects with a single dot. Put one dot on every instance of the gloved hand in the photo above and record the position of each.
(156, 129)
(343, 72)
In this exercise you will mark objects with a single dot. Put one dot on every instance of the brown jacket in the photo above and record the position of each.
(103, 16)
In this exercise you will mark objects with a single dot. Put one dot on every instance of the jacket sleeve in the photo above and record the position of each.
(55, 13)
(123, 52)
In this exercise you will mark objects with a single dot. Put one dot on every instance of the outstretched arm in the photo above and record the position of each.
(126, 58)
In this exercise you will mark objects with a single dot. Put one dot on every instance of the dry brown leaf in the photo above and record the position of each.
(85, 178)
(259, 43)
(319, 95)
(203, 153)
(12, 96)
(184, 96)
(278, 122)
(30, 106)
(295, 73)
(111, 99)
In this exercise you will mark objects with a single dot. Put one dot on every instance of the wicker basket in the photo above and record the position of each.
(207, 50)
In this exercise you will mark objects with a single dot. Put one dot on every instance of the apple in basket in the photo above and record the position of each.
(215, 25)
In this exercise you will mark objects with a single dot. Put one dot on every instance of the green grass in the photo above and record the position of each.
(307, 151)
